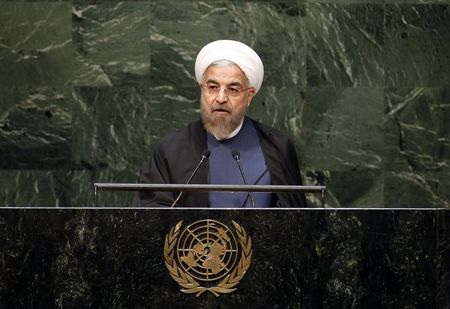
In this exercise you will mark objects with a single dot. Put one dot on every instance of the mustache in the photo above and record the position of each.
(221, 108)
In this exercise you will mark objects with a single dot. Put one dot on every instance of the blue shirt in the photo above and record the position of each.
(223, 169)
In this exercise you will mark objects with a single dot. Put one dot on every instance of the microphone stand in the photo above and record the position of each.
(205, 157)
(236, 157)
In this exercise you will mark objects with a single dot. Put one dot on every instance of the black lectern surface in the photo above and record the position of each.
(292, 258)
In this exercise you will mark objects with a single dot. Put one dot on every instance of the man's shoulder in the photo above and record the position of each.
(183, 131)
(268, 130)
(188, 133)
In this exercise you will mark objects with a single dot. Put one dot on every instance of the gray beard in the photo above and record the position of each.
(220, 127)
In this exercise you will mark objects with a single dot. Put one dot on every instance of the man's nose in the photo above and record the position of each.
(222, 96)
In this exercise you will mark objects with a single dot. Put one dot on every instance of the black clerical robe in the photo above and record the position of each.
(179, 152)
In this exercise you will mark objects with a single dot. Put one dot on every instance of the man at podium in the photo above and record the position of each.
(227, 146)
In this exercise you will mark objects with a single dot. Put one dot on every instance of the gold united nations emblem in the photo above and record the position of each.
(207, 256)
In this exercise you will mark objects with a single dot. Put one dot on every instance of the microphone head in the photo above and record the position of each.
(235, 154)
(206, 153)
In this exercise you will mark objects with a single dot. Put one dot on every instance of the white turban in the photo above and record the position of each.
(239, 53)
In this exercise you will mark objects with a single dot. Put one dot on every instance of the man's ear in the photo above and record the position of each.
(251, 94)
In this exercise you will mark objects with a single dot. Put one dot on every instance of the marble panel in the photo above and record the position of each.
(314, 177)
(144, 51)
(378, 189)
(443, 259)
(422, 1)
(82, 188)
(112, 43)
(34, 188)
(277, 34)
(417, 44)
(35, 44)
(116, 128)
(345, 45)
(281, 109)
(348, 1)
(356, 188)
(180, 28)
(399, 269)
(417, 131)
(301, 259)
(35, 128)
(379, 1)
(346, 189)
(417, 147)
(408, 189)
(342, 128)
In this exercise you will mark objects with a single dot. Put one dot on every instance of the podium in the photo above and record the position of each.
(300, 258)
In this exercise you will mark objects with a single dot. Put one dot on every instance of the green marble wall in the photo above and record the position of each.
(362, 87)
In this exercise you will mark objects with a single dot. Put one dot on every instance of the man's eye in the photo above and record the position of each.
(233, 90)
(212, 88)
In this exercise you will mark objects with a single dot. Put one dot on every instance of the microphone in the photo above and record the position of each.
(205, 155)
(237, 158)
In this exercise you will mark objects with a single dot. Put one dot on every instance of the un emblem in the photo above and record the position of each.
(207, 256)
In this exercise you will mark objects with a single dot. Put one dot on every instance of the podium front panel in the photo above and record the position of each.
(300, 258)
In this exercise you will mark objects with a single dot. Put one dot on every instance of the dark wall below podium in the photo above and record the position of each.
(113, 258)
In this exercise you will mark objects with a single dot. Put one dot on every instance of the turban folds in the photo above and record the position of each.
(239, 53)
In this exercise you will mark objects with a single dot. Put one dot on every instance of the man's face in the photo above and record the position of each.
(224, 99)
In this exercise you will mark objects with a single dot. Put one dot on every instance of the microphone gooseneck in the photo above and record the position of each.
(205, 155)
(237, 158)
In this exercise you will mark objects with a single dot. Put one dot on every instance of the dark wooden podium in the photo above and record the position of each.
(301, 258)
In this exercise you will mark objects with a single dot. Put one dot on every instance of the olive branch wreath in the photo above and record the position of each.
(189, 284)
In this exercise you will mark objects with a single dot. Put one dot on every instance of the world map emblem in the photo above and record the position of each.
(207, 256)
